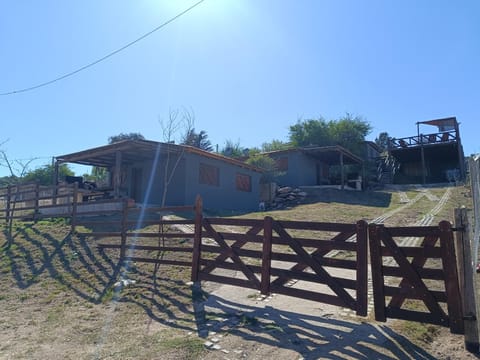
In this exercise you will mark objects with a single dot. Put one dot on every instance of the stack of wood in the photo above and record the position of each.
(287, 196)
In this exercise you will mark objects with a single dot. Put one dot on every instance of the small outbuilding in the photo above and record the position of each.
(156, 173)
(318, 165)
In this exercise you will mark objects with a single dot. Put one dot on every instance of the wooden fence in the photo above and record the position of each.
(405, 274)
(325, 262)
(34, 202)
(24, 201)
(144, 233)
(267, 255)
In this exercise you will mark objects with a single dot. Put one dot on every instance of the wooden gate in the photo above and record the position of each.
(417, 283)
(283, 256)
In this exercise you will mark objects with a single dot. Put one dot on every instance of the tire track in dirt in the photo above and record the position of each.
(426, 220)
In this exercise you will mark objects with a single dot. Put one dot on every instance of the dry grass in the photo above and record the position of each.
(58, 299)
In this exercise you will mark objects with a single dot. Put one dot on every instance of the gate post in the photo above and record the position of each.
(362, 268)
(466, 270)
(455, 316)
(197, 239)
(266, 255)
(375, 239)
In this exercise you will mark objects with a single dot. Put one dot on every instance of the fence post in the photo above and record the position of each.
(375, 232)
(452, 288)
(266, 255)
(466, 269)
(37, 200)
(74, 207)
(7, 207)
(362, 268)
(197, 240)
(123, 231)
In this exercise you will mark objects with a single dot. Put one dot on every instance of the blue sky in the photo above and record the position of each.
(247, 68)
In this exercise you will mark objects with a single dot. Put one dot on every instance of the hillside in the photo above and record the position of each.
(59, 299)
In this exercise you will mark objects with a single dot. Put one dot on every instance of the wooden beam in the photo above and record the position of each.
(116, 174)
(342, 171)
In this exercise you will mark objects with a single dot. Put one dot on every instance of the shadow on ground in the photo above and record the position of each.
(311, 337)
(75, 263)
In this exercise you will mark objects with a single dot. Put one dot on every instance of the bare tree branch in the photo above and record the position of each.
(176, 121)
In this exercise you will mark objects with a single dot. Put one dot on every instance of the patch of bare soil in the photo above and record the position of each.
(241, 326)
(59, 299)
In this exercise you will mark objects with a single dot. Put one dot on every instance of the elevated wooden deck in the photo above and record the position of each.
(423, 140)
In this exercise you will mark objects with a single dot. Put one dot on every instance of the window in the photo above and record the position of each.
(282, 164)
(208, 175)
(243, 182)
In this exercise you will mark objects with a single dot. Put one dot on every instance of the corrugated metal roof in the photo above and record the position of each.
(134, 151)
(328, 154)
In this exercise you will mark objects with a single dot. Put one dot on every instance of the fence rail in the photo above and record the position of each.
(294, 258)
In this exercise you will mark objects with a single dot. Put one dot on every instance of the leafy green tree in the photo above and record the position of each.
(199, 140)
(275, 145)
(233, 150)
(267, 164)
(7, 180)
(124, 136)
(348, 131)
(44, 174)
(382, 140)
(310, 132)
(98, 174)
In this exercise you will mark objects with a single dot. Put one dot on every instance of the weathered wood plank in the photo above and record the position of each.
(345, 297)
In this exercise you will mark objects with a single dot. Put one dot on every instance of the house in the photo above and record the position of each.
(431, 157)
(317, 165)
(140, 170)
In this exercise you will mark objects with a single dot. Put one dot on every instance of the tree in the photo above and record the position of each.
(44, 174)
(383, 140)
(198, 140)
(97, 174)
(123, 136)
(233, 150)
(348, 132)
(275, 145)
(267, 164)
(176, 120)
(17, 170)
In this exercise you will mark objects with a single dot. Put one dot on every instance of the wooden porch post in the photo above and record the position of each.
(342, 172)
(116, 175)
(55, 182)
(424, 170)
(461, 159)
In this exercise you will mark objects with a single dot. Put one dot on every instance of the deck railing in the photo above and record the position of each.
(422, 140)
